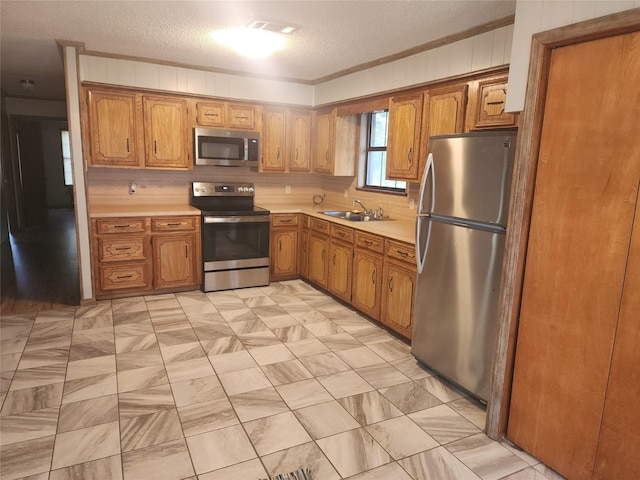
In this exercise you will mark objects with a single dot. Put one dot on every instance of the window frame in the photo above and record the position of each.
(366, 148)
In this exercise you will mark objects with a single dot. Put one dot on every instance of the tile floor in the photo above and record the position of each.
(240, 384)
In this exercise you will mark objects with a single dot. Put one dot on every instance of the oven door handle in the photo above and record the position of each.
(233, 219)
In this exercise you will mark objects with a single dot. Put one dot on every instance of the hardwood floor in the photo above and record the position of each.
(40, 272)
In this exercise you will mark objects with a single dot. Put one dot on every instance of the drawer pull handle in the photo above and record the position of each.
(373, 276)
(214, 115)
(402, 253)
(121, 226)
(390, 285)
(124, 276)
(122, 249)
(499, 102)
(285, 220)
(173, 224)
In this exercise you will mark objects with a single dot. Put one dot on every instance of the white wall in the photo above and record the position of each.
(489, 49)
(198, 82)
(35, 108)
(533, 16)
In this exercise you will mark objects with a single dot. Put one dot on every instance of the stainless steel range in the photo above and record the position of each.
(235, 236)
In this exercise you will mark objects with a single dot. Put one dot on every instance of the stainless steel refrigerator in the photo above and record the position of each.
(460, 233)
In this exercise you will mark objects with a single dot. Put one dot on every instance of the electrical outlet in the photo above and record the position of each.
(287, 189)
(412, 203)
(132, 188)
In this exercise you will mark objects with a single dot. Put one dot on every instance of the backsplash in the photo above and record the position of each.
(111, 187)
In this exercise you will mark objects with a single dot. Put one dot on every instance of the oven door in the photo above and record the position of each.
(232, 242)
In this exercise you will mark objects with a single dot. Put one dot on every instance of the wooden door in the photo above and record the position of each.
(284, 246)
(166, 133)
(340, 267)
(617, 455)
(397, 298)
(113, 127)
(274, 141)
(318, 258)
(367, 279)
(32, 183)
(300, 148)
(322, 143)
(173, 260)
(583, 208)
(405, 114)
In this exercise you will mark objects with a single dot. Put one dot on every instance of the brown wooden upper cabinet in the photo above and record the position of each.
(487, 102)
(334, 143)
(286, 140)
(403, 143)
(114, 129)
(226, 115)
(443, 114)
(166, 133)
(130, 130)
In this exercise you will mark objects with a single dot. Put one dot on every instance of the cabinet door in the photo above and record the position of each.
(492, 100)
(323, 142)
(340, 268)
(166, 133)
(210, 114)
(273, 141)
(304, 253)
(405, 115)
(283, 261)
(367, 278)
(113, 126)
(300, 148)
(173, 260)
(241, 116)
(397, 298)
(443, 114)
(318, 258)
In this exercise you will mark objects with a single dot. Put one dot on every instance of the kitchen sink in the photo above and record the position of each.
(350, 215)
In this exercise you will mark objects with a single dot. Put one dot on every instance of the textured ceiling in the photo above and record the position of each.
(332, 36)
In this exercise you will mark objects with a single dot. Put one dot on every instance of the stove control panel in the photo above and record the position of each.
(211, 189)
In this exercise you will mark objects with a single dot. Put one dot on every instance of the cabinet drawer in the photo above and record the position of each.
(284, 220)
(210, 114)
(173, 224)
(375, 243)
(320, 225)
(117, 249)
(342, 233)
(241, 116)
(115, 277)
(401, 251)
(120, 225)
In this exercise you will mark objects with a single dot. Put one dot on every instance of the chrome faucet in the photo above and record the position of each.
(365, 211)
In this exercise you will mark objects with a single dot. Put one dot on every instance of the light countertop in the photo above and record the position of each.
(401, 230)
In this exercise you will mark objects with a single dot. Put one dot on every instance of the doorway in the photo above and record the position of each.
(39, 242)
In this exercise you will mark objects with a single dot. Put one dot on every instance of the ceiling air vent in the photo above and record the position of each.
(271, 27)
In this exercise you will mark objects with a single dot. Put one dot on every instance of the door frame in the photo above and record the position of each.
(521, 201)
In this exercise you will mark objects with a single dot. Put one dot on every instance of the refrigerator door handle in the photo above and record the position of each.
(421, 250)
(429, 176)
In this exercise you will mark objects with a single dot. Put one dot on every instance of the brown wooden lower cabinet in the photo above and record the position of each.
(140, 255)
(367, 273)
(283, 261)
(340, 262)
(398, 287)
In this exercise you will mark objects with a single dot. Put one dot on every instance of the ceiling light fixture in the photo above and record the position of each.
(28, 85)
(258, 40)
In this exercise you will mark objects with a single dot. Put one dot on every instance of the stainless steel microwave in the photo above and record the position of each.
(226, 148)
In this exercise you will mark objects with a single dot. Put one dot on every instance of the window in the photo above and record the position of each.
(66, 157)
(376, 155)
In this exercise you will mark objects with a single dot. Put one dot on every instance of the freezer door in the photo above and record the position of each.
(456, 304)
(470, 177)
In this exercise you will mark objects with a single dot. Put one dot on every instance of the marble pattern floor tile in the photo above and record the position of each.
(353, 452)
(245, 383)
